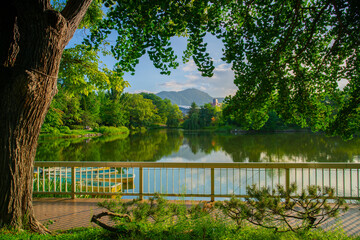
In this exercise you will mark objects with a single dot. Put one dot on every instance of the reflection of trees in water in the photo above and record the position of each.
(199, 141)
(298, 147)
(150, 146)
(154, 145)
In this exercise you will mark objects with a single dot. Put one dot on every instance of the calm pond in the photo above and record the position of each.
(182, 146)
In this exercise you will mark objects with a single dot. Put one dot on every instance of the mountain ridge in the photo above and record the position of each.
(187, 97)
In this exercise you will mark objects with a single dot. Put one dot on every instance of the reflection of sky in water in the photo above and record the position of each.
(164, 146)
(186, 155)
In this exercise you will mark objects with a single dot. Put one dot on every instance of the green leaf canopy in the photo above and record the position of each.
(297, 58)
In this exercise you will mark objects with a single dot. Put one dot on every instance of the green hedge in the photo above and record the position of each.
(111, 130)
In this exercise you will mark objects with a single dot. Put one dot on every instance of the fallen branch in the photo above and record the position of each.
(95, 219)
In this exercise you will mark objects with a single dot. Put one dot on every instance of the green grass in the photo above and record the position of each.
(79, 233)
(74, 133)
(71, 134)
(48, 185)
(208, 229)
(112, 130)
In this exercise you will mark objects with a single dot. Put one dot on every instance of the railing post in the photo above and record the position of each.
(287, 184)
(73, 182)
(287, 180)
(212, 185)
(140, 183)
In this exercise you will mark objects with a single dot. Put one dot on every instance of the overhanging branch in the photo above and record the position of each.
(74, 12)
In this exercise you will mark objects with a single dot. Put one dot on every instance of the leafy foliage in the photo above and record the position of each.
(287, 56)
(200, 118)
(139, 216)
(80, 72)
(291, 57)
(139, 112)
(146, 26)
(157, 215)
(169, 113)
(282, 210)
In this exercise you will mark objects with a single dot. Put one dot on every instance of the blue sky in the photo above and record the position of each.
(148, 79)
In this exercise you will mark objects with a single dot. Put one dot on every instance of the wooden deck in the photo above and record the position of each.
(72, 213)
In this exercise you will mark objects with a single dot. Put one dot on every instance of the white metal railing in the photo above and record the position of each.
(196, 180)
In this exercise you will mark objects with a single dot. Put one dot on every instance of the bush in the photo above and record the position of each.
(226, 128)
(156, 217)
(53, 131)
(65, 129)
(77, 127)
(281, 210)
(112, 130)
(161, 219)
(46, 128)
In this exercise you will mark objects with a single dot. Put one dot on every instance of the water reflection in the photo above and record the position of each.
(181, 146)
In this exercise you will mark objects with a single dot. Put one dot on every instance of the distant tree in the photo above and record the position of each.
(161, 105)
(192, 122)
(174, 116)
(169, 113)
(192, 118)
(54, 117)
(91, 105)
(80, 80)
(111, 109)
(206, 114)
(139, 112)
(199, 118)
(193, 109)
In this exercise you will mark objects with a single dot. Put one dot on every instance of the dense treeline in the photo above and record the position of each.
(212, 116)
(92, 96)
(201, 117)
(109, 109)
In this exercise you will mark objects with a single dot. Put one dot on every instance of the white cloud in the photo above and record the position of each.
(220, 85)
(193, 76)
(141, 91)
(189, 66)
(176, 86)
(223, 68)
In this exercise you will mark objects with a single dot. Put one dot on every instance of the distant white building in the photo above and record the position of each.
(216, 103)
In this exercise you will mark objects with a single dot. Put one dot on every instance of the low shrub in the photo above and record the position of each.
(283, 210)
(112, 130)
(77, 127)
(226, 128)
(53, 131)
(160, 219)
(65, 129)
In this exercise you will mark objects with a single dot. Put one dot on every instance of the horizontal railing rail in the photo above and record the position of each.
(194, 180)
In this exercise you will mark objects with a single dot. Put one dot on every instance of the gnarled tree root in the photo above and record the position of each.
(95, 219)
(36, 226)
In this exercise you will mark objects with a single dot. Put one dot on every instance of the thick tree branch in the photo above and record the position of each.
(74, 12)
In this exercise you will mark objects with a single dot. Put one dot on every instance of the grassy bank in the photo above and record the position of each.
(66, 132)
(202, 230)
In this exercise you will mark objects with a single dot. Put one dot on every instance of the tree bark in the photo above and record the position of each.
(33, 37)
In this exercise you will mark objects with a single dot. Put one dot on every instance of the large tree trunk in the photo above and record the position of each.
(33, 37)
